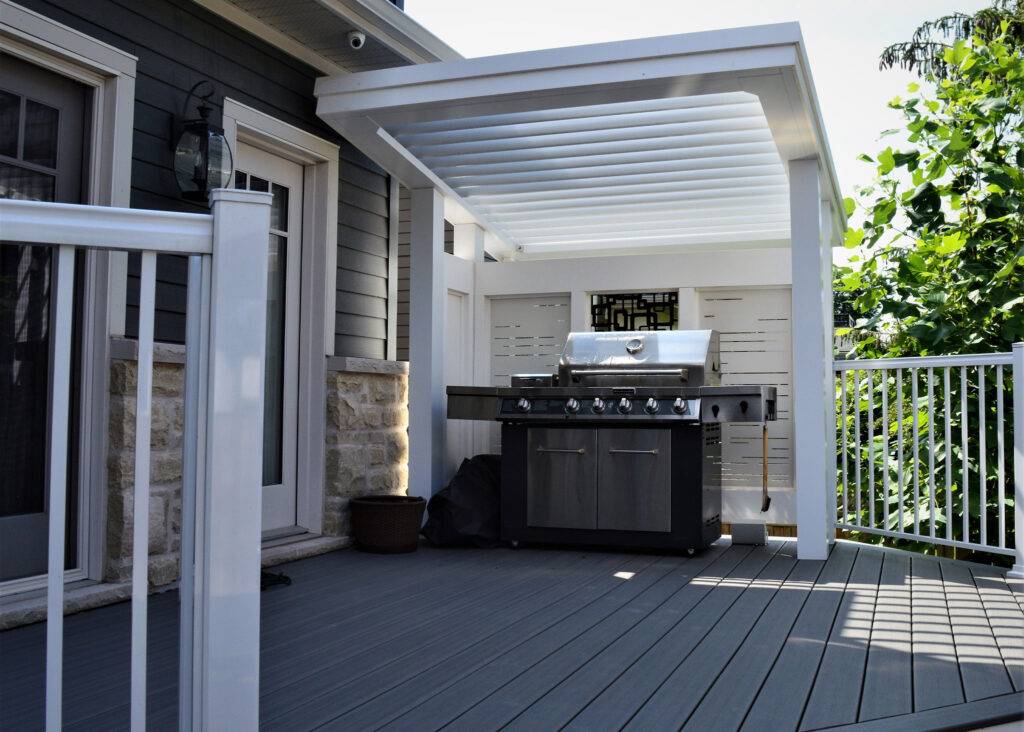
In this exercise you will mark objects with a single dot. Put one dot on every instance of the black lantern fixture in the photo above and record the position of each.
(202, 158)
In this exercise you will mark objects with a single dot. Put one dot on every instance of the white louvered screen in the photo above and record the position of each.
(527, 337)
(756, 334)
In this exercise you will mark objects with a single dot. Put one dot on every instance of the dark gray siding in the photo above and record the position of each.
(178, 43)
(360, 327)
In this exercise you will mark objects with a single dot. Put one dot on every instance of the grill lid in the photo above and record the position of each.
(640, 358)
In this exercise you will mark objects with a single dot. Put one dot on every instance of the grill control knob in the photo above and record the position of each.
(523, 405)
(599, 405)
(651, 407)
(680, 406)
(572, 406)
(625, 406)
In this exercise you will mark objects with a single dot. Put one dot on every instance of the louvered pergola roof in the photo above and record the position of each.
(657, 144)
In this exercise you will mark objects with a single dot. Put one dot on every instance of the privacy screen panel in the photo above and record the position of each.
(635, 311)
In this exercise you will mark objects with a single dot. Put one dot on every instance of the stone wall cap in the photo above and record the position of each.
(351, 364)
(127, 349)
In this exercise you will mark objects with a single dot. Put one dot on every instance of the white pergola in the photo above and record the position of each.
(698, 142)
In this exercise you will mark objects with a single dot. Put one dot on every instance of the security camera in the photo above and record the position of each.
(356, 39)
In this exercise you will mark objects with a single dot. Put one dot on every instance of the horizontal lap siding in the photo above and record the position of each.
(360, 326)
(179, 44)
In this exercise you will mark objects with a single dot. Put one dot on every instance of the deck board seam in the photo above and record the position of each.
(746, 637)
(995, 636)
(778, 655)
(583, 581)
(705, 635)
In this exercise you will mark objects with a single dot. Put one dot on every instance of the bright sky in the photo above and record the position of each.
(843, 37)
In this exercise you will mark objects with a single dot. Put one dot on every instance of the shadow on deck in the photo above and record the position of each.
(736, 638)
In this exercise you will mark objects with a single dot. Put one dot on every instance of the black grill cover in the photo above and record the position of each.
(468, 510)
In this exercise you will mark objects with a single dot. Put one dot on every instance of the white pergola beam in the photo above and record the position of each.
(599, 201)
(426, 343)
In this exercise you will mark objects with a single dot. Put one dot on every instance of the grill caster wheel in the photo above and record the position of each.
(691, 551)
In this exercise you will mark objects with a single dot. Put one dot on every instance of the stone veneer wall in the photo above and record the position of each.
(165, 471)
(367, 434)
(367, 447)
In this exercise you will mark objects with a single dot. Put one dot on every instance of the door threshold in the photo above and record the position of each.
(276, 537)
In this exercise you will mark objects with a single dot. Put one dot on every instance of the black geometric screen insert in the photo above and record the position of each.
(635, 311)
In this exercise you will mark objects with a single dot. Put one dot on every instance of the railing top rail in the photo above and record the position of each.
(105, 227)
(913, 362)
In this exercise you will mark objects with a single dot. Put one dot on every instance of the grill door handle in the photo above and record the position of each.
(616, 451)
(576, 451)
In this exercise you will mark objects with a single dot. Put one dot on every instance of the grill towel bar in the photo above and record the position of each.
(614, 451)
(578, 451)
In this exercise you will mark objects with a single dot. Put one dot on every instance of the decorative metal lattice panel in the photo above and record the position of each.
(635, 311)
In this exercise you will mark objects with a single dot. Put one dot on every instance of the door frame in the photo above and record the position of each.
(319, 246)
(110, 74)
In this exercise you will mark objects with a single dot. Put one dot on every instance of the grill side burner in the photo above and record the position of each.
(622, 446)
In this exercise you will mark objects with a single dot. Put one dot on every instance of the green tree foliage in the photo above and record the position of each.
(942, 228)
(939, 269)
(923, 53)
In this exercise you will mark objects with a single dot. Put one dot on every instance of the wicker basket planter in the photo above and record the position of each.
(387, 524)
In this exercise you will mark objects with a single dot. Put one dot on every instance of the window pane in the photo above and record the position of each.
(241, 180)
(279, 208)
(25, 185)
(10, 109)
(273, 407)
(258, 184)
(40, 134)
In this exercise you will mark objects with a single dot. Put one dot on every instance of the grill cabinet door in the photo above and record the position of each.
(561, 478)
(634, 479)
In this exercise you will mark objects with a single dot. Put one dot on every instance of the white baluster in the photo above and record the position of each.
(916, 451)
(931, 454)
(885, 448)
(982, 487)
(899, 446)
(949, 455)
(1001, 465)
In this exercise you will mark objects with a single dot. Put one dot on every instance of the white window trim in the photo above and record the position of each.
(110, 73)
(319, 159)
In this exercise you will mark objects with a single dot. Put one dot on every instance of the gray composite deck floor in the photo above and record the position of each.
(735, 638)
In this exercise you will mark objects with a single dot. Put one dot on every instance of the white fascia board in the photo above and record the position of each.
(565, 59)
(394, 28)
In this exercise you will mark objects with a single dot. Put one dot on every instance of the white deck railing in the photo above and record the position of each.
(226, 307)
(932, 449)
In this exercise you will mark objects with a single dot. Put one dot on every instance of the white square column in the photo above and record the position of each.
(426, 343)
(813, 411)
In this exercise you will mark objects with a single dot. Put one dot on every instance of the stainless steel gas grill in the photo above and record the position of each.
(622, 446)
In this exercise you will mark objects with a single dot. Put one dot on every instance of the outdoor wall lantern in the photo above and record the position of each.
(202, 158)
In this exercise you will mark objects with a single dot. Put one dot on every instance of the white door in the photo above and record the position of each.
(258, 170)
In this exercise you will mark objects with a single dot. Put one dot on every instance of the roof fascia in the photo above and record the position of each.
(394, 28)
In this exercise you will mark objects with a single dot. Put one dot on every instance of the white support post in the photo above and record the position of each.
(228, 598)
(579, 311)
(812, 365)
(1018, 460)
(426, 343)
(689, 308)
